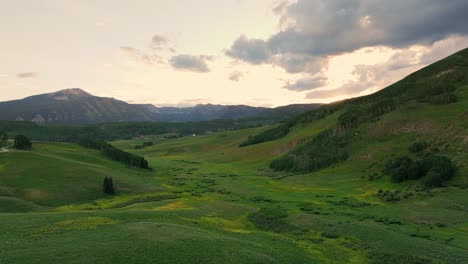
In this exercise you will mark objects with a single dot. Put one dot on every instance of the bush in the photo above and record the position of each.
(22, 142)
(378, 257)
(418, 146)
(271, 219)
(435, 169)
(441, 170)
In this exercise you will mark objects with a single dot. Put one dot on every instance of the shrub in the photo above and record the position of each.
(271, 219)
(330, 234)
(418, 146)
(435, 169)
(378, 257)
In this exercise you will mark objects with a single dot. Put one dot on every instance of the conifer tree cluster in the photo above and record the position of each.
(22, 142)
(3, 138)
(116, 154)
(108, 186)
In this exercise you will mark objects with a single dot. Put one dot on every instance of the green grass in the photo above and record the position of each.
(195, 206)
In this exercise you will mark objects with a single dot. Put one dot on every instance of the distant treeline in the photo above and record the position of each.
(116, 154)
(116, 131)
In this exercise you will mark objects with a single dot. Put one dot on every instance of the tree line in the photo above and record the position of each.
(19, 142)
(114, 153)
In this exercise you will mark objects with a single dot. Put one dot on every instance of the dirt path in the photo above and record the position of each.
(5, 149)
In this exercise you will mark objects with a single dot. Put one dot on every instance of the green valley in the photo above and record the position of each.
(312, 189)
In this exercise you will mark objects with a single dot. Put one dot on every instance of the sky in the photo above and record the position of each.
(255, 52)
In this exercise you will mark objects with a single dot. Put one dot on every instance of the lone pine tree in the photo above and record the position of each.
(108, 186)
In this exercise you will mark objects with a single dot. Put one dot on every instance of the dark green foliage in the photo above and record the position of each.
(268, 135)
(445, 98)
(435, 169)
(283, 129)
(388, 196)
(108, 186)
(271, 219)
(22, 142)
(145, 144)
(418, 146)
(358, 114)
(325, 149)
(116, 154)
(378, 257)
(441, 170)
(330, 234)
(3, 138)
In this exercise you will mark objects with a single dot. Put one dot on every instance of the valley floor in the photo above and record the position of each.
(208, 201)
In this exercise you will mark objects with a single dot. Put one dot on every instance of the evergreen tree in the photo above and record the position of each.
(22, 142)
(111, 186)
(3, 138)
(108, 186)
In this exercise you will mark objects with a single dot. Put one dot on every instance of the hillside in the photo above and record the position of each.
(207, 200)
(75, 106)
(441, 86)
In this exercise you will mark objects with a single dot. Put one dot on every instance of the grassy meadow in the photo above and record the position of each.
(209, 201)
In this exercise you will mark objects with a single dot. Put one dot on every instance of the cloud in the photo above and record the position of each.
(371, 78)
(254, 51)
(143, 57)
(236, 76)
(158, 42)
(129, 49)
(190, 63)
(25, 75)
(306, 84)
(319, 29)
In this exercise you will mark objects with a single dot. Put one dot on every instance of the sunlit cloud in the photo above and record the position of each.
(236, 76)
(25, 75)
(190, 63)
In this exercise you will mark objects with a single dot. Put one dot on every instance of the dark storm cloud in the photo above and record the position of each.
(317, 28)
(190, 63)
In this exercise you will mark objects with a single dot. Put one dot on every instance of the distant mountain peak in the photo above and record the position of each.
(69, 94)
(73, 91)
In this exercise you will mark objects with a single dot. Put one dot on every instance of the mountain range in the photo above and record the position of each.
(75, 106)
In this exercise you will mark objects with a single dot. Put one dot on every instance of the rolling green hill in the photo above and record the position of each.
(208, 200)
